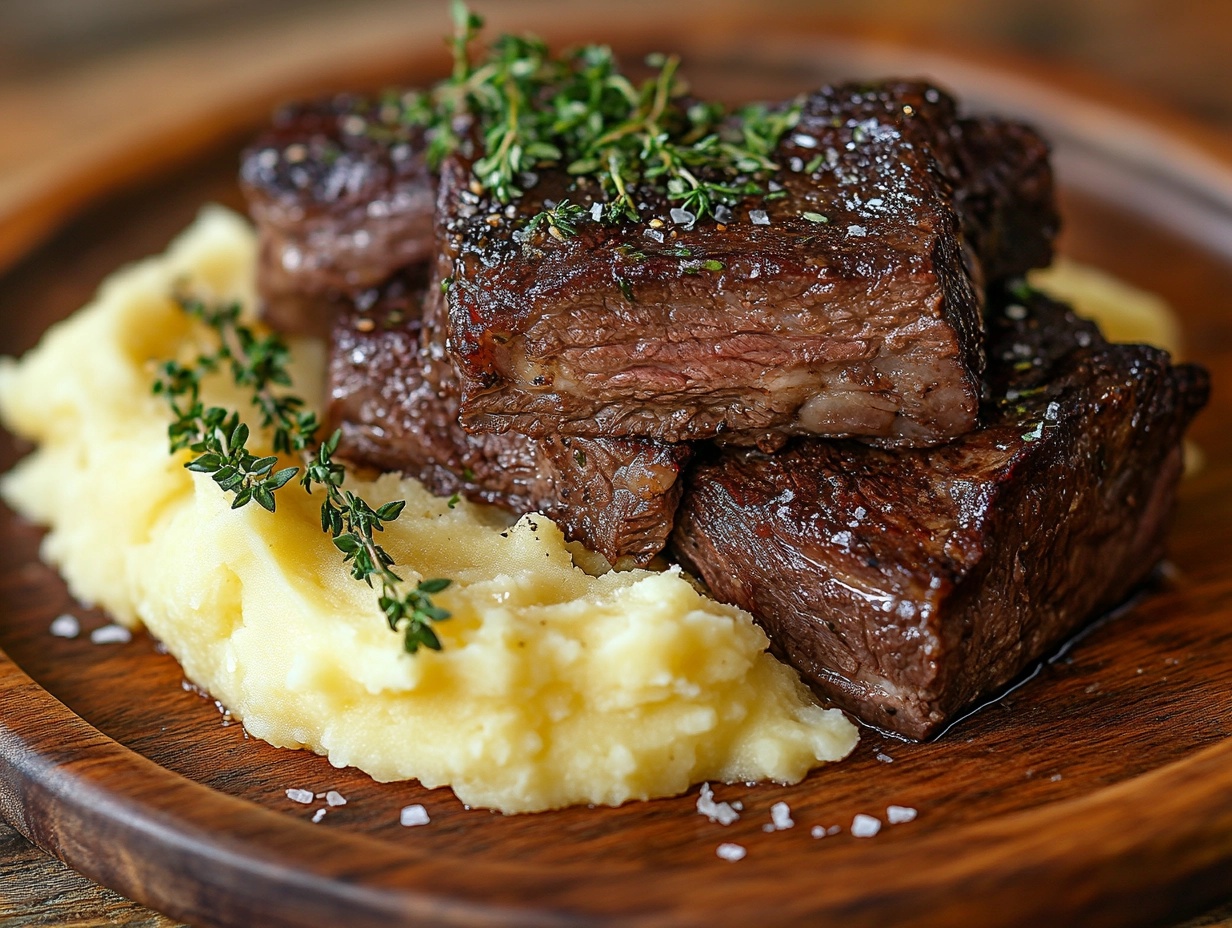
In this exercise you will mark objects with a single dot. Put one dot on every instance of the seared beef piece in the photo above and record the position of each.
(1004, 193)
(393, 392)
(341, 198)
(845, 306)
(907, 585)
(999, 170)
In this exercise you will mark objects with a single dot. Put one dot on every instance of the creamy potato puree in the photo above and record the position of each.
(555, 686)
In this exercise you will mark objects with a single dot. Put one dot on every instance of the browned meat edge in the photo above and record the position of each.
(342, 197)
(904, 586)
(393, 392)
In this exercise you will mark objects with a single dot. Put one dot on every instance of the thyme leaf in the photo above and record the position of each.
(219, 440)
(561, 220)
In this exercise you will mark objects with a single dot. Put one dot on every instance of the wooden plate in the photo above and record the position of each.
(1099, 793)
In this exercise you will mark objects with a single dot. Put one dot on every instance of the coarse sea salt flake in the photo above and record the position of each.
(413, 815)
(111, 634)
(729, 851)
(818, 831)
(65, 626)
(865, 826)
(318, 815)
(721, 812)
(335, 798)
(780, 815)
(303, 796)
(898, 815)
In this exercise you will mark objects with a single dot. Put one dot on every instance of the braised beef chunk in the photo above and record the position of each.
(341, 199)
(841, 305)
(393, 392)
(1005, 196)
(999, 170)
(906, 585)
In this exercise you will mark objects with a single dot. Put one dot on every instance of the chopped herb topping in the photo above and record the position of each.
(531, 109)
(219, 441)
(560, 220)
(815, 217)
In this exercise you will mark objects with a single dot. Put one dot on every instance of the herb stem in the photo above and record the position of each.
(219, 440)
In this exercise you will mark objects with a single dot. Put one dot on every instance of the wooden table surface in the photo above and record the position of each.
(81, 81)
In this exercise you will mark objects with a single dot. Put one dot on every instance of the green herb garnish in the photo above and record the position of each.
(530, 109)
(561, 220)
(219, 441)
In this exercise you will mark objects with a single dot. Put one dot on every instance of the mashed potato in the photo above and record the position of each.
(554, 686)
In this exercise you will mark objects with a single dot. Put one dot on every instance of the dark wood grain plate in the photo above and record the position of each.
(1098, 793)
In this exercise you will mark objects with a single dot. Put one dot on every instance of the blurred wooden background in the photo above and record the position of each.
(83, 79)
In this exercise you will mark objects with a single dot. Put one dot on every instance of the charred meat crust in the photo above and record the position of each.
(740, 330)
(393, 393)
(853, 312)
(905, 586)
(342, 199)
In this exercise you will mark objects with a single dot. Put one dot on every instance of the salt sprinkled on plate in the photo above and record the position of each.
(722, 812)
(818, 831)
(335, 798)
(865, 826)
(413, 815)
(728, 851)
(780, 815)
(318, 815)
(111, 634)
(300, 795)
(884, 758)
(759, 217)
(65, 626)
(898, 815)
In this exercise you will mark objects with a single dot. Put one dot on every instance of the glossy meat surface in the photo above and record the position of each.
(342, 198)
(906, 585)
(845, 304)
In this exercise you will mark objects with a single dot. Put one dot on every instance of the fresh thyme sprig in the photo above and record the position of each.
(218, 437)
(531, 110)
(219, 440)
